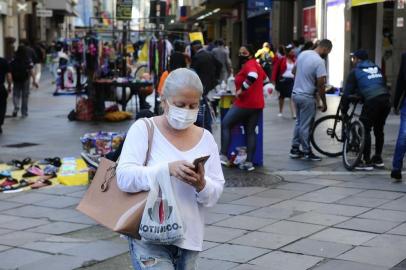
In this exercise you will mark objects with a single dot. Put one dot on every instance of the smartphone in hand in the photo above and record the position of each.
(199, 160)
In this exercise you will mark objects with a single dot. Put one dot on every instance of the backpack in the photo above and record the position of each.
(20, 70)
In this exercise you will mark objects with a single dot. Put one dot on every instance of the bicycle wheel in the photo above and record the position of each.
(353, 145)
(326, 135)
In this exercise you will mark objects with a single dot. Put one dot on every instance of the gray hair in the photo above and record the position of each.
(179, 79)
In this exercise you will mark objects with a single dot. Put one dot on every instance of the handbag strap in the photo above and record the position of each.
(150, 128)
(111, 172)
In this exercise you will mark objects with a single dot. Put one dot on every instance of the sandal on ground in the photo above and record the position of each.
(33, 170)
(50, 170)
(8, 184)
(5, 174)
(25, 161)
(56, 161)
(16, 165)
(41, 183)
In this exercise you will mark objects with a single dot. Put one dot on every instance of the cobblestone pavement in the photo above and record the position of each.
(290, 215)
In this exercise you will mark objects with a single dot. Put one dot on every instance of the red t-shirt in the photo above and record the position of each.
(253, 97)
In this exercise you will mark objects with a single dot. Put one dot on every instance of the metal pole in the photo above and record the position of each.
(124, 50)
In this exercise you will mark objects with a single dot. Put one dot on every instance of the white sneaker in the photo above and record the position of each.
(224, 160)
(280, 115)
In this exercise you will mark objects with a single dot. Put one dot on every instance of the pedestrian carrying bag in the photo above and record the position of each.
(161, 221)
(104, 202)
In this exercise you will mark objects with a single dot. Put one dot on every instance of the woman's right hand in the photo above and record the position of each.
(184, 171)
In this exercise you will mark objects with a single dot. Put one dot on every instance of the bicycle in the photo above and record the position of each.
(345, 136)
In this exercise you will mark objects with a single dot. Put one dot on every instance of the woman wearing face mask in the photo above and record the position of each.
(247, 107)
(283, 78)
(176, 143)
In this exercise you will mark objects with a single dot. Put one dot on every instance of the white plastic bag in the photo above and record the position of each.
(161, 221)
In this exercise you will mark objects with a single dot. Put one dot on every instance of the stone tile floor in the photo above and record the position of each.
(303, 226)
(320, 217)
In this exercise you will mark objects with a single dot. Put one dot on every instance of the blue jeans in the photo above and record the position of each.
(161, 257)
(305, 114)
(400, 149)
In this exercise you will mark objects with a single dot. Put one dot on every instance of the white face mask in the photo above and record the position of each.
(180, 118)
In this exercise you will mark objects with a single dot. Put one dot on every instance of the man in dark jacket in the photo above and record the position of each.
(208, 68)
(366, 80)
(399, 104)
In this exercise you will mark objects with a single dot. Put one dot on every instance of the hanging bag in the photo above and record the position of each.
(161, 221)
(104, 202)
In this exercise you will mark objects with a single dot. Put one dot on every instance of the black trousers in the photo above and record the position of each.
(249, 117)
(3, 103)
(373, 116)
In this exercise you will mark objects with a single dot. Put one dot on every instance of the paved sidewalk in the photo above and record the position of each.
(324, 222)
(319, 217)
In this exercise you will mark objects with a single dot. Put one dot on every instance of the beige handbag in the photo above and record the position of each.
(105, 203)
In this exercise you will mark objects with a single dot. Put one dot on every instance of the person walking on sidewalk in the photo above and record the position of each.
(247, 107)
(4, 73)
(208, 68)
(310, 81)
(176, 143)
(21, 68)
(221, 54)
(399, 102)
(266, 56)
(366, 80)
(284, 79)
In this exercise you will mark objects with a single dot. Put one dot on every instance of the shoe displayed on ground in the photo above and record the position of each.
(16, 165)
(396, 176)
(50, 170)
(377, 162)
(91, 160)
(224, 160)
(5, 174)
(33, 170)
(41, 183)
(311, 156)
(8, 184)
(296, 153)
(56, 161)
(247, 166)
(25, 161)
(362, 166)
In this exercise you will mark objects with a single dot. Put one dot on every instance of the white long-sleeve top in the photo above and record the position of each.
(132, 176)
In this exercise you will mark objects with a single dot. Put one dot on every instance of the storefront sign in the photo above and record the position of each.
(309, 23)
(365, 2)
(124, 9)
(400, 22)
(401, 4)
(196, 36)
(44, 12)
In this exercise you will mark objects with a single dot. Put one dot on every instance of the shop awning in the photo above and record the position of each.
(355, 3)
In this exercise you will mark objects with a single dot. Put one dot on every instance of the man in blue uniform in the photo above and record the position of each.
(367, 81)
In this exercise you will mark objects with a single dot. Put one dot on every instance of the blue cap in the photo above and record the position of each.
(360, 54)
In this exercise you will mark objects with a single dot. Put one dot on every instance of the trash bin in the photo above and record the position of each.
(238, 135)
